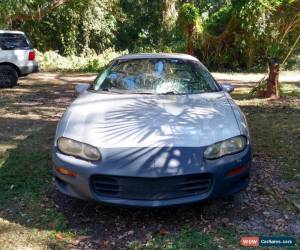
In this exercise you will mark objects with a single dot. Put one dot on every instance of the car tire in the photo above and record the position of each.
(8, 76)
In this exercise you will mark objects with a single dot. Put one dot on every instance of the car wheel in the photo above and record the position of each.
(8, 76)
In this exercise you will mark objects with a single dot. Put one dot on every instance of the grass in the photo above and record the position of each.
(187, 238)
(290, 90)
(28, 216)
(279, 125)
(275, 127)
(192, 239)
(31, 219)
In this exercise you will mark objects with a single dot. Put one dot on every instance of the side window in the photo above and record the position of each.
(13, 41)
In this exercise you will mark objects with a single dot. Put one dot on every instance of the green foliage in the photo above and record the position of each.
(218, 21)
(246, 34)
(139, 27)
(236, 34)
(189, 24)
(209, 7)
(72, 28)
(12, 8)
(188, 15)
(52, 61)
(294, 62)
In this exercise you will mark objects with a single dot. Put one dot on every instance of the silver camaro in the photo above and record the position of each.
(152, 130)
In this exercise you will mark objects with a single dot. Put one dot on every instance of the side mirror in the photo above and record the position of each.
(81, 87)
(228, 87)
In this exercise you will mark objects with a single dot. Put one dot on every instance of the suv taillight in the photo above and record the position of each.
(31, 56)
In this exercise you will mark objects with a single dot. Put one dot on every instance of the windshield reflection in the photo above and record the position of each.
(156, 76)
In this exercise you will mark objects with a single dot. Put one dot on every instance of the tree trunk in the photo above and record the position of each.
(273, 82)
(190, 31)
(169, 14)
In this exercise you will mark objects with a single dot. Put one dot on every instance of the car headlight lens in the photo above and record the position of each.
(71, 147)
(229, 146)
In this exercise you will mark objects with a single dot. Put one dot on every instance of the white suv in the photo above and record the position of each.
(17, 57)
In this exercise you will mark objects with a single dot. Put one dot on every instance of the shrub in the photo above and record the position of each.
(91, 62)
(294, 62)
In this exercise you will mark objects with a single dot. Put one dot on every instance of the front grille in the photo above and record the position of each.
(141, 188)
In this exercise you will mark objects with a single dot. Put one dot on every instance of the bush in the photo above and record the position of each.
(218, 21)
(91, 62)
(294, 62)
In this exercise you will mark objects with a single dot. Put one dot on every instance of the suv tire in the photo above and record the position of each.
(8, 76)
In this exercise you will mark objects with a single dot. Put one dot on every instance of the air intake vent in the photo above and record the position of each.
(141, 188)
(105, 185)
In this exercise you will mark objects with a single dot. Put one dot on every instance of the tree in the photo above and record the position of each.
(246, 34)
(140, 25)
(187, 19)
(13, 10)
(283, 32)
(61, 25)
(225, 34)
(169, 14)
(287, 23)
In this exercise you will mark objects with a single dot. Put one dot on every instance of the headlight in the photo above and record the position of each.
(229, 146)
(78, 149)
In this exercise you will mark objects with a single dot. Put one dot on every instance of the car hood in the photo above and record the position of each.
(111, 120)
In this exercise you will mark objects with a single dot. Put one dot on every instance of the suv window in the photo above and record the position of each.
(13, 41)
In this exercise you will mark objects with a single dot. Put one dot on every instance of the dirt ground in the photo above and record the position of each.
(264, 208)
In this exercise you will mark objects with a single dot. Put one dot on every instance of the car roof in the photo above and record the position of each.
(11, 32)
(157, 55)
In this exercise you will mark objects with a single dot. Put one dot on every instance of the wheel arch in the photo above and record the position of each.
(13, 66)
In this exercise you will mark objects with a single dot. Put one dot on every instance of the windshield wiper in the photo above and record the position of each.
(112, 90)
(105, 89)
(142, 93)
(125, 91)
(171, 93)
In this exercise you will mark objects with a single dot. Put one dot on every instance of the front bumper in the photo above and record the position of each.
(152, 177)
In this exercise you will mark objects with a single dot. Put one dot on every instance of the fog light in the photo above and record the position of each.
(236, 171)
(65, 171)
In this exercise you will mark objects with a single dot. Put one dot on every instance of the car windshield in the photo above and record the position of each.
(156, 76)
